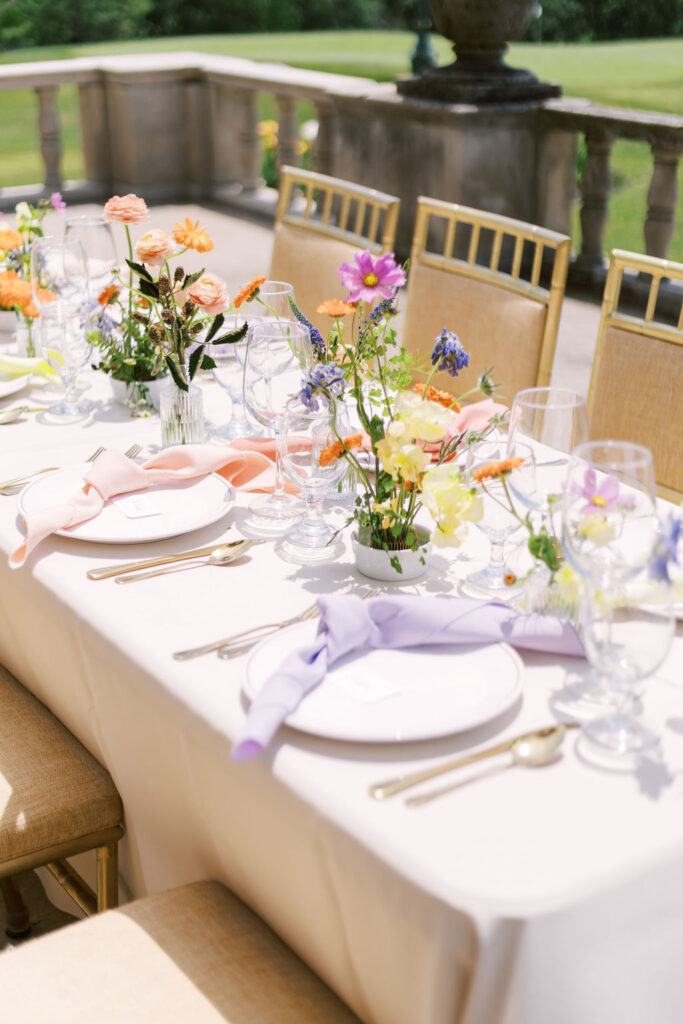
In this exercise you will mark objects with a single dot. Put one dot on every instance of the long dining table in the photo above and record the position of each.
(522, 897)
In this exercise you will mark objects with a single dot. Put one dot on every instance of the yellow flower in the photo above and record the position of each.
(192, 236)
(596, 527)
(402, 460)
(451, 504)
(424, 420)
(568, 583)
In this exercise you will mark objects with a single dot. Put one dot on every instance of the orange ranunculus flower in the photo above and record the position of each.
(210, 293)
(10, 239)
(130, 209)
(497, 468)
(337, 449)
(247, 293)
(154, 247)
(105, 297)
(336, 307)
(432, 394)
(192, 236)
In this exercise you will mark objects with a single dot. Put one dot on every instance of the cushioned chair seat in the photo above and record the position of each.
(190, 956)
(52, 790)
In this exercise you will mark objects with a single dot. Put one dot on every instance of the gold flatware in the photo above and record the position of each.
(541, 743)
(147, 563)
(248, 637)
(222, 555)
(11, 487)
(10, 415)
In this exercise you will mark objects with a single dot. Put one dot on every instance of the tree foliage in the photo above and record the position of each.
(593, 20)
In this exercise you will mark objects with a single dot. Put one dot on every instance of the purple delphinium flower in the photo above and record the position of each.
(319, 347)
(57, 202)
(598, 498)
(448, 353)
(323, 375)
(666, 552)
(372, 277)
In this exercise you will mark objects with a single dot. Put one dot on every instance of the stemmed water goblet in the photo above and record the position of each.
(97, 240)
(312, 460)
(610, 531)
(498, 521)
(273, 302)
(277, 357)
(229, 374)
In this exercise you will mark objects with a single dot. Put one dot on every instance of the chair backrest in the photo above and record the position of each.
(636, 385)
(321, 222)
(504, 321)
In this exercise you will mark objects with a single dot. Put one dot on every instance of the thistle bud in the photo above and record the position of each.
(164, 286)
(140, 318)
(179, 275)
(188, 307)
(166, 316)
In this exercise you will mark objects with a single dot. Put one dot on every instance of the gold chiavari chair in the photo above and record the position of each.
(503, 320)
(321, 222)
(637, 376)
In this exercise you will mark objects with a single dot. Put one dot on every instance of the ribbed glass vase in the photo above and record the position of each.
(182, 415)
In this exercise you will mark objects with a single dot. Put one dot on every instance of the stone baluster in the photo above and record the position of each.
(50, 136)
(595, 189)
(287, 132)
(250, 142)
(92, 99)
(324, 143)
(662, 200)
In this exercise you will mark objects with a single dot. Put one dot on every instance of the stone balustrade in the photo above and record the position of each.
(184, 127)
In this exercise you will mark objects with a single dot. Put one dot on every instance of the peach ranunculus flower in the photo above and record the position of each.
(130, 209)
(154, 247)
(10, 239)
(192, 236)
(210, 293)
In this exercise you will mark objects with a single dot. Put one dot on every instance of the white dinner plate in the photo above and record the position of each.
(389, 696)
(13, 384)
(178, 508)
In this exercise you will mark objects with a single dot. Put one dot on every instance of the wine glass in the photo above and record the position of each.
(498, 521)
(229, 374)
(97, 240)
(610, 532)
(277, 357)
(553, 421)
(59, 276)
(272, 302)
(66, 347)
(311, 461)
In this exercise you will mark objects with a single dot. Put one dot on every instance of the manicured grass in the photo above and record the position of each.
(646, 75)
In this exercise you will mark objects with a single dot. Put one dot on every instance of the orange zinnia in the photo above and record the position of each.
(247, 293)
(105, 297)
(10, 239)
(336, 307)
(432, 394)
(336, 450)
(192, 236)
(497, 468)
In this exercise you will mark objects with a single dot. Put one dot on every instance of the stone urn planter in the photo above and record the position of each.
(480, 31)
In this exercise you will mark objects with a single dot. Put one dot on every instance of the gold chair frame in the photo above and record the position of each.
(645, 326)
(521, 232)
(378, 238)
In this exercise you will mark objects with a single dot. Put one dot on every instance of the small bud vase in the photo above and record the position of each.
(24, 332)
(182, 415)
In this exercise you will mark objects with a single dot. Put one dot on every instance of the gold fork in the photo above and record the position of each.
(11, 487)
(248, 637)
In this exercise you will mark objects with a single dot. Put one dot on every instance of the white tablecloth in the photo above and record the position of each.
(525, 897)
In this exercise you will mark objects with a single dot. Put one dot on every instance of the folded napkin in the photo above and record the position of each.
(475, 416)
(247, 464)
(348, 623)
(19, 366)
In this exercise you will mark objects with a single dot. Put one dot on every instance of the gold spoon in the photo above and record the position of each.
(222, 555)
(541, 743)
(10, 415)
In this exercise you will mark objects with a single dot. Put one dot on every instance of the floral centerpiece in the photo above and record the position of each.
(409, 433)
(15, 267)
(160, 320)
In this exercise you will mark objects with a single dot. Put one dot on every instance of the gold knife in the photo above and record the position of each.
(149, 563)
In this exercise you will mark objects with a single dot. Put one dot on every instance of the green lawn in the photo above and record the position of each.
(646, 75)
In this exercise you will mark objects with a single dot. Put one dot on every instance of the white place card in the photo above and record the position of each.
(137, 506)
(364, 685)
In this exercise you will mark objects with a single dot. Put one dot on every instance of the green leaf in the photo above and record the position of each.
(176, 374)
(149, 289)
(195, 360)
(394, 562)
(140, 270)
(544, 548)
(376, 429)
(191, 278)
(208, 363)
(215, 327)
(232, 338)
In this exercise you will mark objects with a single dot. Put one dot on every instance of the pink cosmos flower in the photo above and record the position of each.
(57, 202)
(603, 498)
(372, 278)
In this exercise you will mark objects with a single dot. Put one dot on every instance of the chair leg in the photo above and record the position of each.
(107, 876)
(17, 917)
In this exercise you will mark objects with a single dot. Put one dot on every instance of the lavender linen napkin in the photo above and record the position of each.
(348, 623)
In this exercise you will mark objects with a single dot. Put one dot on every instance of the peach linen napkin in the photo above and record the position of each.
(246, 464)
